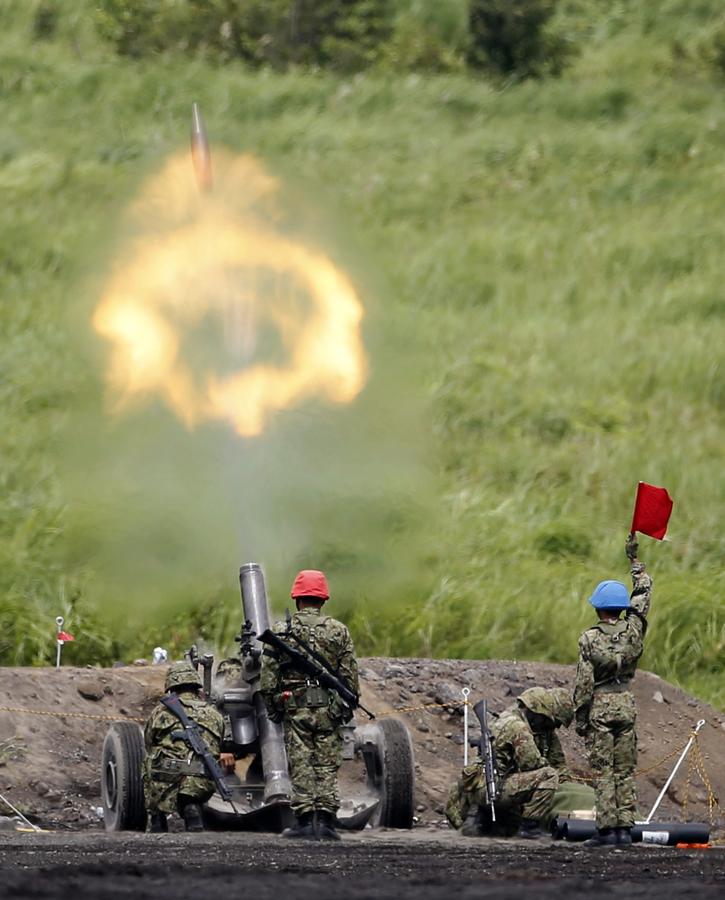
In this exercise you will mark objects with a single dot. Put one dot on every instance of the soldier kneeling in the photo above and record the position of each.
(530, 764)
(175, 779)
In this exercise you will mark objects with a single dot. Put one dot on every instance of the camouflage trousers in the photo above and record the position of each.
(161, 794)
(314, 752)
(466, 794)
(612, 747)
(527, 794)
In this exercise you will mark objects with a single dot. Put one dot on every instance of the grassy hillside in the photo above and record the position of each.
(542, 264)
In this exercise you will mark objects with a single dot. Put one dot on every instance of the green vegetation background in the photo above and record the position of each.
(557, 247)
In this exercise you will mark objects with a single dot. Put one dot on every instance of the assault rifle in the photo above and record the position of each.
(316, 666)
(488, 759)
(192, 736)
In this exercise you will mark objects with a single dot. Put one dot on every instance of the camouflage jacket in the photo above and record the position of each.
(327, 636)
(608, 654)
(162, 724)
(519, 749)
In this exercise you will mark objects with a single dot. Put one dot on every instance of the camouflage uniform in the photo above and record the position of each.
(312, 715)
(230, 671)
(530, 764)
(171, 770)
(605, 707)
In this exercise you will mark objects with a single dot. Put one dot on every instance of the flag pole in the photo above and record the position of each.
(58, 643)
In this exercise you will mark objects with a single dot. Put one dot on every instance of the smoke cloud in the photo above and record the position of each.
(315, 455)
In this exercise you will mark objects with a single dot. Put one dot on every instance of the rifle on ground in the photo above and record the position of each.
(488, 758)
(192, 736)
(317, 668)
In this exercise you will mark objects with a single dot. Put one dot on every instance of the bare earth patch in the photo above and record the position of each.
(49, 767)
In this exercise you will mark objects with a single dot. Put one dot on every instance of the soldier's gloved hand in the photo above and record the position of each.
(226, 761)
(582, 727)
(631, 548)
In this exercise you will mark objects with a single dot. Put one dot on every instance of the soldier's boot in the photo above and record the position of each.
(473, 825)
(193, 820)
(624, 836)
(530, 829)
(325, 826)
(305, 827)
(158, 823)
(605, 837)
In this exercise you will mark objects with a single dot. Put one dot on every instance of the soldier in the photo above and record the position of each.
(530, 763)
(175, 780)
(605, 707)
(312, 715)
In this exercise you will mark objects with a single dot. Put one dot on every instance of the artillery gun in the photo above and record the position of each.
(376, 780)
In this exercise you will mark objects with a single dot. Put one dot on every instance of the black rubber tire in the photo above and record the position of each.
(394, 776)
(121, 779)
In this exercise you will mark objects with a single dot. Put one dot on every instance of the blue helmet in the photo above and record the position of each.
(610, 595)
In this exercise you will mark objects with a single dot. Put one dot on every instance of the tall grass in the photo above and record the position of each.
(554, 247)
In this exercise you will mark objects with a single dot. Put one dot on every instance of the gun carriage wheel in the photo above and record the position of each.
(390, 769)
(121, 782)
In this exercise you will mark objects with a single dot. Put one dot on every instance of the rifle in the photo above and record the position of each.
(192, 736)
(316, 668)
(488, 758)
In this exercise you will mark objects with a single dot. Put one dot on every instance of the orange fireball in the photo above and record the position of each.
(211, 270)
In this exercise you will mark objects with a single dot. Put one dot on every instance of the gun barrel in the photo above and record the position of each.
(254, 598)
(271, 735)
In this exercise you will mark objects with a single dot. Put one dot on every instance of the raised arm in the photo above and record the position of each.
(641, 581)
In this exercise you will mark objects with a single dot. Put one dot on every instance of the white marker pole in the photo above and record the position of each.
(58, 644)
(466, 692)
(674, 771)
(19, 814)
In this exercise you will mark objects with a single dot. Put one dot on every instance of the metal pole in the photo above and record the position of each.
(18, 813)
(674, 771)
(58, 644)
(465, 691)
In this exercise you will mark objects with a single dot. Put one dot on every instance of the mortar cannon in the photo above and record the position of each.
(376, 779)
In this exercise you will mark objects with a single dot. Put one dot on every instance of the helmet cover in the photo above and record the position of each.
(180, 674)
(610, 595)
(310, 583)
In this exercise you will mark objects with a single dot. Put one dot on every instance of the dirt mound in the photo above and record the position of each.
(49, 765)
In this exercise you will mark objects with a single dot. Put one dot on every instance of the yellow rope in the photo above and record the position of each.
(660, 762)
(71, 715)
(699, 766)
(696, 762)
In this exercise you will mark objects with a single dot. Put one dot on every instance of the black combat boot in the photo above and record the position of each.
(158, 823)
(304, 828)
(530, 829)
(624, 836)
(605, 837)
(193, 820)
(325, 826)
(473, 825)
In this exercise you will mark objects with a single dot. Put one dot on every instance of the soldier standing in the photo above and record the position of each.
(605, 708)
(530, 764)
(175, 779)
(312, 715)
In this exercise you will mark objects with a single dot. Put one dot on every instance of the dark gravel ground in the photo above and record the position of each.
(421, 864)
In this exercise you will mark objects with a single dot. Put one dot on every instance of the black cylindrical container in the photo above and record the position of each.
(665, 833)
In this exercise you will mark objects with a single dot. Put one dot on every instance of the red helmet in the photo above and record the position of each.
(310, 583)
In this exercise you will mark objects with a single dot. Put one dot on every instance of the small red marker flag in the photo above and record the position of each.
(652, 508)
(64, 636)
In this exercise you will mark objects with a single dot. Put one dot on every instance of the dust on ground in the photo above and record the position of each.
(50, 766)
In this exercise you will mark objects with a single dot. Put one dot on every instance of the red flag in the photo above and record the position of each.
(652, 509)
(64, 636)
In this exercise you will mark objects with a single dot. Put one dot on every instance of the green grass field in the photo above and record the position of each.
(543, 269)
